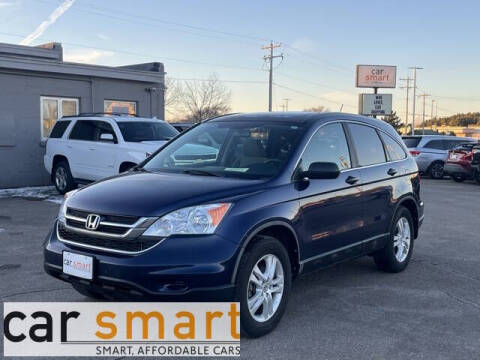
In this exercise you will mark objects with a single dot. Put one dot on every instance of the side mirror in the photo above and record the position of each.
(322, 170)
(107, 137)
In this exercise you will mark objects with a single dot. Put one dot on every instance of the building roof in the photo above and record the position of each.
(48, 58)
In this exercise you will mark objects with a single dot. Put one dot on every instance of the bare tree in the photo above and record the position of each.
(202, 99)
(319, 108)
(173, 98)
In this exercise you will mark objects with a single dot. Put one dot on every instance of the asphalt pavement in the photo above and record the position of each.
(350, 311)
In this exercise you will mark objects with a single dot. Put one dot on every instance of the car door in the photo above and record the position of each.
(104, 150)
(381, 180)
(81, 149)
(330, 209)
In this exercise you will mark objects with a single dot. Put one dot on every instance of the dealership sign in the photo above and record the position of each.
(121, 329)
(375, 104)
(376, 76)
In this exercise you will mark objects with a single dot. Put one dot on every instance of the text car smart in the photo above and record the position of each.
(269, 196)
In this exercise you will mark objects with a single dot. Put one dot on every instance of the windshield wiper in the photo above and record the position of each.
(199, 172)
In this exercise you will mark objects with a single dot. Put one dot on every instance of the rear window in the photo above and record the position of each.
(59, 129)
(411, 142)
(367, 144)
(438, 145)
(393, 149)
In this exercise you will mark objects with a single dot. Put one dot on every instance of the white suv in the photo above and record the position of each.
(82, 149)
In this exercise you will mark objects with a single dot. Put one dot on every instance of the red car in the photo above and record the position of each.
(459, 162)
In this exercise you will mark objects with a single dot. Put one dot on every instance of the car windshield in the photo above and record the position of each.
(137, 131)
(242, 150)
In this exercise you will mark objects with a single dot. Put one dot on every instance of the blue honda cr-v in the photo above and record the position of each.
(237, 207)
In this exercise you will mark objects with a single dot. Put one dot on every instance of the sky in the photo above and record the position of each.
(322, 42)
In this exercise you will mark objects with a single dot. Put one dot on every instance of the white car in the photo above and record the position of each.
(83, 149)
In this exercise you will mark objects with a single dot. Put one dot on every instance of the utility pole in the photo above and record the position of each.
(423, 123)
(431, 115)
(270, 58)
(286, 103)
(408, 87)
(415, 68)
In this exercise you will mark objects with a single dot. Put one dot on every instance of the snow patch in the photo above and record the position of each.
(48, 193)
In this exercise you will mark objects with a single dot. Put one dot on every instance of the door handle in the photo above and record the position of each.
(352, 180)
(391, 172)
(69, 146)
(91, 149)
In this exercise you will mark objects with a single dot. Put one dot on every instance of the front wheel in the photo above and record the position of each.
(263, 286)
(396, 254)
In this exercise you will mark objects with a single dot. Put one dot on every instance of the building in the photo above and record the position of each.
(37, 87)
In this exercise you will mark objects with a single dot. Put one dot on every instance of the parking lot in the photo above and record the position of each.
(350, 311)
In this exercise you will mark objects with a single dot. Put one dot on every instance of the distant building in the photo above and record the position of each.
(37, 87)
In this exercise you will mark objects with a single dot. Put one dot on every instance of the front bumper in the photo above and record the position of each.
(456, 169)
(179, 268)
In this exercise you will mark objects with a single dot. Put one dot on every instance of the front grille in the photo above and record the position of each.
(116, 230)
(119, 244)
(124, 220)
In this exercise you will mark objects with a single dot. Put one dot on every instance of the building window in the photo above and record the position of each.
(53, 108)
(120, 107)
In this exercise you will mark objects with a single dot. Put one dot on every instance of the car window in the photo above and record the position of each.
(103, 127)
(83, 130)
(393, 149)
(437, 145)
(59, 129)
(138, 131)
(91, 130)
(411, 142)
(367, 144)
(329, 144)
(230, 149)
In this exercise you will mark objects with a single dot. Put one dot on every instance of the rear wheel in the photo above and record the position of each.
(476, 175)
(263, 286)
(396, 254)
(458, 178)
(436, 170)
(62, 177)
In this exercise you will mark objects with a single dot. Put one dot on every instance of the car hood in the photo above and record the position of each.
(145, 146)
(155, 194)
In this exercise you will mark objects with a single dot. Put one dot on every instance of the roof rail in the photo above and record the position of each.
(218, 116)
(99, 114)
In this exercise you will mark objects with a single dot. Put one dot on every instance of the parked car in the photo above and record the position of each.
(181, 127)
(476, 163)
(287, 194)
(82, 148)
(459, 162)
(431, 151)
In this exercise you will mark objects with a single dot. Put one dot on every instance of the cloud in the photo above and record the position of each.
(103, 36)
(7, 3)
(87, 56)
(59, 11)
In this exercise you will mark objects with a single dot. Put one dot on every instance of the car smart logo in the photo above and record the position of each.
(121, 329)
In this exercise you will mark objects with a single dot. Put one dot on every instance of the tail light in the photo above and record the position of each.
(414, 153)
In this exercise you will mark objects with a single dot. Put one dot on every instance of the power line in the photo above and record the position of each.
(313, 96)
(424, 95)
(407, 87)
(415, 68)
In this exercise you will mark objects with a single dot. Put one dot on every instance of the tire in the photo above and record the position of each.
(125, 167)
(458, 178)
(62, 177)
(265, 248)
(476, 176)
(435, 171)
(391, 258)
(88, 293)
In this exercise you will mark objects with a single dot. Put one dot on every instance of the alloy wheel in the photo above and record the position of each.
(61, 178)
(401, 239)
(265, 288)
(437, 171)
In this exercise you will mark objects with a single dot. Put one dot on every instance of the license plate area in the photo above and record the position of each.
(78, 265)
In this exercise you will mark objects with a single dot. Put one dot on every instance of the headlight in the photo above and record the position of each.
(202, 219)
(63, 207)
